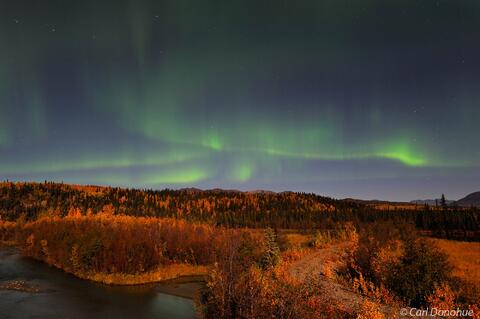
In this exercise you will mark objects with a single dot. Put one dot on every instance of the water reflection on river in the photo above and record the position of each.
(65, 296)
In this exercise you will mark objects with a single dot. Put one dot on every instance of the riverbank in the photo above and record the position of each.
(7, 243)
(164, 273)
(181, 280)
(124, 250)
(32, 288)
(18, 285)
(161, 274)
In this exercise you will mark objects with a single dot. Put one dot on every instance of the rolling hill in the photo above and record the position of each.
(470, 200)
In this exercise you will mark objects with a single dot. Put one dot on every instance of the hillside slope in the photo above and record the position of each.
(470, 200)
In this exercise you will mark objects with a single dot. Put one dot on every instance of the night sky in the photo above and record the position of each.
(367, 99)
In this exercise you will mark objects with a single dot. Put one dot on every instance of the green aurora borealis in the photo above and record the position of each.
(345, 98)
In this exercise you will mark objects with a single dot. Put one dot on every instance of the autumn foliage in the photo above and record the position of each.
(121, 244)
(228, 208)
(393, 265)
(128, 236)
(242, 284)
(255, 293)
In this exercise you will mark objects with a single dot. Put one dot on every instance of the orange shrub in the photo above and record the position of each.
(124, 244)
(441, 298)
(369, 310)
(257, 294)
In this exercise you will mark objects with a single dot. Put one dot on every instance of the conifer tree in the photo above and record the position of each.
(443, 202)
(271, 254)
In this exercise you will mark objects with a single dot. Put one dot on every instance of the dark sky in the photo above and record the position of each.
(368, 99)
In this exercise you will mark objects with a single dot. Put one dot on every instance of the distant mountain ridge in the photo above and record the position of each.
(431, 202)
(221, 190)
(470, 200)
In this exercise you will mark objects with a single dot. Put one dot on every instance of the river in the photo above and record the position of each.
(61, 295)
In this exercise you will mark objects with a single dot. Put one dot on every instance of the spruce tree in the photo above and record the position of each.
(271, 254)
(443, 202)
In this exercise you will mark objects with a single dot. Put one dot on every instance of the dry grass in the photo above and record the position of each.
(161, 274)
(297, 240)
(465, 258)
(7, 243)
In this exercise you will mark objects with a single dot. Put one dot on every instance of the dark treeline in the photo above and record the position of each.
(228, 208)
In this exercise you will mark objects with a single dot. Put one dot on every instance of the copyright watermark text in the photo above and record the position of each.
(435, 312)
